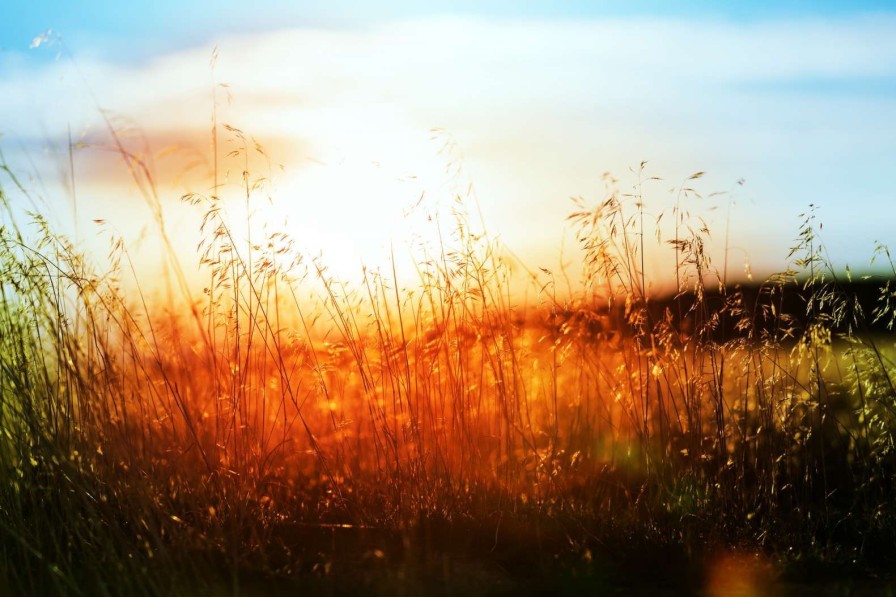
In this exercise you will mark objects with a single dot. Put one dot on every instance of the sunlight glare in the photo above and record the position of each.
(356, 210)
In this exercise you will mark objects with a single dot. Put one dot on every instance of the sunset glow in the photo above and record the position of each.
(409, 298)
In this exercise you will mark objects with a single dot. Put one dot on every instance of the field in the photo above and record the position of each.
(287, 431)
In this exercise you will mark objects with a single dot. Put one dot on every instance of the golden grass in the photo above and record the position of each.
(143, 439)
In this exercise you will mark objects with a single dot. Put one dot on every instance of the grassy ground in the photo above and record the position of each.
(442, 438)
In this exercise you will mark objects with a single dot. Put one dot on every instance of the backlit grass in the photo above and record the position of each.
(284, 427)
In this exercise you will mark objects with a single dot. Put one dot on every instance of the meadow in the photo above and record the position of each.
(284, 430)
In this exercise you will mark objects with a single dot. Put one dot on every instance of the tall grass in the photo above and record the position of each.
(151, 446)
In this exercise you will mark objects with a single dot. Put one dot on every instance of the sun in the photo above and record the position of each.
(368, 205)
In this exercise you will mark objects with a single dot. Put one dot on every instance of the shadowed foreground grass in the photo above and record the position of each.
(444, 438)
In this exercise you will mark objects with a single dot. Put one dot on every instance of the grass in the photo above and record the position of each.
(445, 437)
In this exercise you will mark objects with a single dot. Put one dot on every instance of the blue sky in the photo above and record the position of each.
(798, 98)
(136, 27)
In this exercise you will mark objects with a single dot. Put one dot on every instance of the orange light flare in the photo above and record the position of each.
(734, 573)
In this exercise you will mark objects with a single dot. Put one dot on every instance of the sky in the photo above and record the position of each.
(365, 107)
